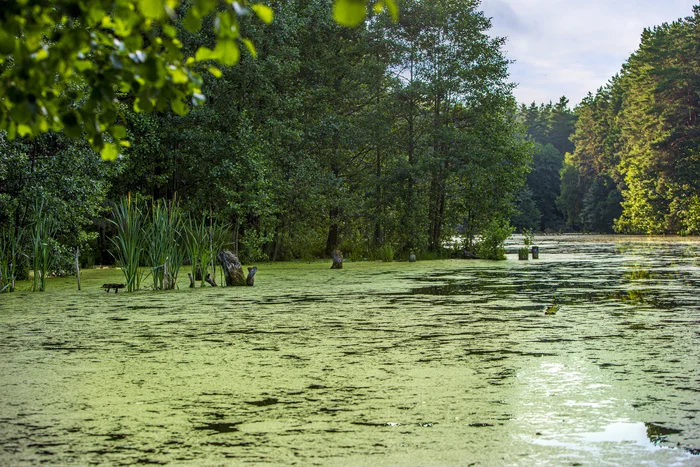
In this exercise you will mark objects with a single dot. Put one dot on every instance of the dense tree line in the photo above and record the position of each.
(636, 163)
(389, 137)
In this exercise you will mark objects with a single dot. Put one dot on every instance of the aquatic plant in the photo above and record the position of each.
(43, 257)
(129, 241)
(10, 244)
(203, 243)
(386, 253)
(165, 238)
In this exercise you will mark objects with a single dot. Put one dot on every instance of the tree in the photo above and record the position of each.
(64, 64)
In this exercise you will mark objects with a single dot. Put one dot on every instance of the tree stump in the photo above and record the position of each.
(535, 252)
(189, 274)
(412, 258)
(337, 260)
(233, 272)
(250, 280)
(210, 280)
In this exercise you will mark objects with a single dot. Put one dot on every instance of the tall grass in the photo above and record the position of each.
(43, 252)
(129, 242)
(10, 246)
(166, 249)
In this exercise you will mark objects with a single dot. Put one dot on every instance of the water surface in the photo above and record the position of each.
(429, 363)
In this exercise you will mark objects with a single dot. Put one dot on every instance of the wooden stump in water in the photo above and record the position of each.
(189, 274)
(337, 260)
(535, 252)
(412, 258)
(233, 272)
(250, 280)
(210, 280)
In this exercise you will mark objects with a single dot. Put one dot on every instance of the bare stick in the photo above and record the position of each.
(77, 265)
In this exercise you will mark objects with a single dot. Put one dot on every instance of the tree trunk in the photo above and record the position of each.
(332, 239)
(233, 272)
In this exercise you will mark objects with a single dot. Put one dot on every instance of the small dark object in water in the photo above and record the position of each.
(535, 252)
(551, 309)
(337, 260)
(210, 280)
(116, 287)
(250, 280)
(189, 274)
(412, 258)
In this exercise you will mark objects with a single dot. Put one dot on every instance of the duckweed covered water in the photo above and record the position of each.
(429, 363)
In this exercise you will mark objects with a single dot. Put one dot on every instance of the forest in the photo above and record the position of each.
(627, 158)
(384, 139)
(389, 138)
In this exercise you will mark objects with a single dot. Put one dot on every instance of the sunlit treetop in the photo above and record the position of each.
(64, 62)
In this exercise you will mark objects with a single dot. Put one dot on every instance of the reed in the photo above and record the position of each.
(10, 250)
(166, 249)
(43, 252)
(203, 243)
(129, 241)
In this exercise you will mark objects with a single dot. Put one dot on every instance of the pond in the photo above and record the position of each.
(430, 363)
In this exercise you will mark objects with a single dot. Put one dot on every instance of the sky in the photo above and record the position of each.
(573, 47)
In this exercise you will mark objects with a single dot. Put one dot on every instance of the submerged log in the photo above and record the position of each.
(210, 280)
(250, 280)
(337, 260)
(233, 272)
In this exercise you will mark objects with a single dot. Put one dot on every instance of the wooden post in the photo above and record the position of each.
(535, 252)
(77, 265)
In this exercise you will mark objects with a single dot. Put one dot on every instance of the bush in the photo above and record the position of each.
(493, 237)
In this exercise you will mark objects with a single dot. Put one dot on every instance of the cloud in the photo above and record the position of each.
(572, 47)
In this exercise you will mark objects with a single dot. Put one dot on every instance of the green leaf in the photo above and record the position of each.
(179, 107)
(204, 7)
(393, 9)
(227, 52)
(349, 12)
(251, 47)
(215, 71)
(264, 12)
(204, 54)
(71, 124)
(152, 9)
(109, 152)
(7, 43)
(193, 23)
(118, 131)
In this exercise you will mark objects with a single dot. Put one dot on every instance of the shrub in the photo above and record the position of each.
(491, 246)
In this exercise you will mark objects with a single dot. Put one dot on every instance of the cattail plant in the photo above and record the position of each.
(43, 254)
(129, 242)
